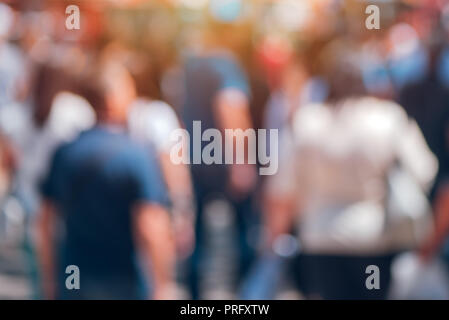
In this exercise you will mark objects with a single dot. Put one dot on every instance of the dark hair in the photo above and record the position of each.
(48, 82)
(338, 66)
(91, 85)
(93, 91)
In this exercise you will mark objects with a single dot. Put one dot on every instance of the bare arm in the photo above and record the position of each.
(281, 200)
(441, 228)
(233, 113)
(278, 218)
(179, 183)
(233, 109)
(154, 237)
(177, 177)
(44, 247)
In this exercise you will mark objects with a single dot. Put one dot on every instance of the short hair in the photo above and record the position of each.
(95, 83)
(48, 80)
(338, 65)
(91, 86)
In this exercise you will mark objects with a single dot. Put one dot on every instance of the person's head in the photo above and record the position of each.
(435, 44)
(110, 90)
(339, 66)
(218, 33)
(295, 75)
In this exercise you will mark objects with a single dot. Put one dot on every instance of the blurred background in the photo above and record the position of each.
(362, 116)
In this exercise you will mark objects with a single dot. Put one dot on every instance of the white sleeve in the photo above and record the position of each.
(284, 183)
(153, 122)
(415, 155)
(70, 114)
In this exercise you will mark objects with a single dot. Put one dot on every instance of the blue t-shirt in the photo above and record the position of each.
(95, 181)
(205, 77)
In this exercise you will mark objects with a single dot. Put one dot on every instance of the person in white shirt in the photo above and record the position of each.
(352, 178)
(150, 122)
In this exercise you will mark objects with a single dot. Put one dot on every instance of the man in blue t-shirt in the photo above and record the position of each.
(109, 196)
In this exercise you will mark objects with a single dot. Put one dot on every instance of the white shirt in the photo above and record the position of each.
(70, 114)
(12, 67)
(345, 165)
(152, 122)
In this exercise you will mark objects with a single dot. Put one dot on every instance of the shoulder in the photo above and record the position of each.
(12, 56)
(61, 153)
(132, 149)
(151, 110)
(152, 121)
(377, 110)
(70, 114)
(311, 119)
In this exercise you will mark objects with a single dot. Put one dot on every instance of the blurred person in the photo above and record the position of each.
(150, 123)
(375, 72)
(21, 136)
(284, 101)
(58, 116)
(216, 92)
(352, 176)
(17, 130)
(48, 114)
(427, 102)
(52, 116)
(407, 58)
(297, 87)
(12, 62)
(12, 81)
(110, 196)
(7, 168)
